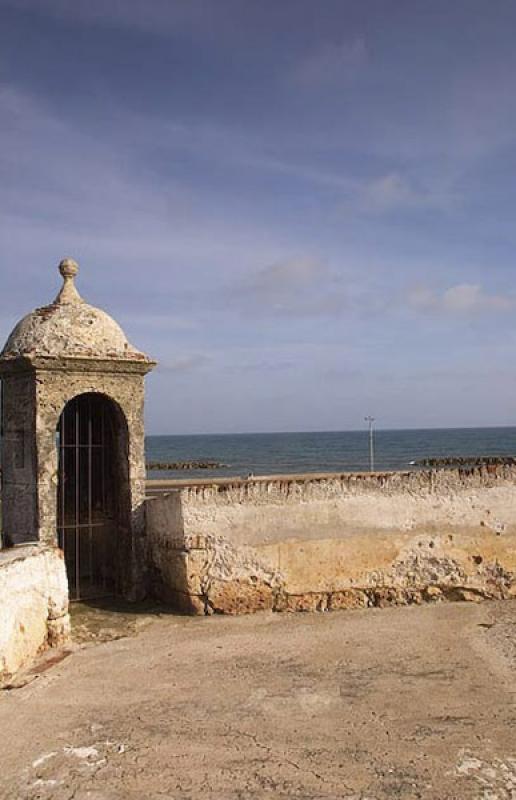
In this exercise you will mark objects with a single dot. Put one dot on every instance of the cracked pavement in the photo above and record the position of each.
(413, 702)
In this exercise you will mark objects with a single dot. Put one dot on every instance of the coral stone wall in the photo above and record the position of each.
(329, 541)
(19, 488)
(34, 605)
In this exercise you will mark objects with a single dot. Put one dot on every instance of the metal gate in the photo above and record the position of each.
(87, 505)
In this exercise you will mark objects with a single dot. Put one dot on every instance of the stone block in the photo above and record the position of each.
(316, 601)
(239, 596)
(34, 607)
(347, 599)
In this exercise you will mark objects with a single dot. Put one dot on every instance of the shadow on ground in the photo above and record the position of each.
(107, 619)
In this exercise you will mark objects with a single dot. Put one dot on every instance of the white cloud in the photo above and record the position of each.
(289, 276)
(69, 182)
(185, 363)
(421, 297)
(393, 191)
(380, 195)
(66, 191)
(294, 287)
(331, 63)
(471, 297)
(463, 299)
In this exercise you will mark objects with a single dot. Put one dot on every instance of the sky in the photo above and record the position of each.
(305, 211)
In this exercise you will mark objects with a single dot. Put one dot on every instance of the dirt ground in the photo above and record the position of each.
(412, 702)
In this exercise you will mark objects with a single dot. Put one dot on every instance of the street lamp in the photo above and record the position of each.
(370, 421)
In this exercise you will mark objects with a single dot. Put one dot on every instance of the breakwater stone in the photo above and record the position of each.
(165, 466)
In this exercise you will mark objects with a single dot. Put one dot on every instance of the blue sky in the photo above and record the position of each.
(304, 210)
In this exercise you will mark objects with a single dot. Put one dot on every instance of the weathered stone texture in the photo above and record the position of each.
(336, 541)
(34, 605)
(55, 387)
(203, 573)
(19, 495)
(30, 490)
(69, 327)
(53, 355)
(255, 511)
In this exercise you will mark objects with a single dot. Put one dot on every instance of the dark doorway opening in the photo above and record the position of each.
(89, 501)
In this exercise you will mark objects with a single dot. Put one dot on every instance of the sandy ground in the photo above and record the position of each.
(394, 703)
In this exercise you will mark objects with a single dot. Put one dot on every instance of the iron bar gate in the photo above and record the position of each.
(87, 495)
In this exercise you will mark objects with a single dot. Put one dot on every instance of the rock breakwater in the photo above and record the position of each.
(466, 461)
(169, 466)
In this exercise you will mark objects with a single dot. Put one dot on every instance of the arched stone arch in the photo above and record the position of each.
(55, 388)
(93, 499)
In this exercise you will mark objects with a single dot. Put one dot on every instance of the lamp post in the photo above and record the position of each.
(370, 421)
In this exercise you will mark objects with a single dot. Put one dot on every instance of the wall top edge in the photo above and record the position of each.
(20, 552)
(162, 485)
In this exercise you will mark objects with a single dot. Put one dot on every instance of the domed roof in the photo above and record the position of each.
(69, 328)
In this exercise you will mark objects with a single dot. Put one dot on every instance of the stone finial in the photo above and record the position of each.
(68, 294)
(68, 268)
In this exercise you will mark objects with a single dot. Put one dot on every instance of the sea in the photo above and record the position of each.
(328, 451)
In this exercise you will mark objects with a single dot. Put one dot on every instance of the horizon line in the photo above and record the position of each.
(347, 430)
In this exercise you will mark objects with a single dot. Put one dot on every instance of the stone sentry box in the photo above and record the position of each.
(56, 354)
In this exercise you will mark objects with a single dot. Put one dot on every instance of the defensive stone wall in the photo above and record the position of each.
(326, 541)
(34, 605)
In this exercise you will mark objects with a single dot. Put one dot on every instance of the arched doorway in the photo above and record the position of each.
(92, 450)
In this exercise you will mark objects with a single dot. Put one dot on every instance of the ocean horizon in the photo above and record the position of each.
(240, 454)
